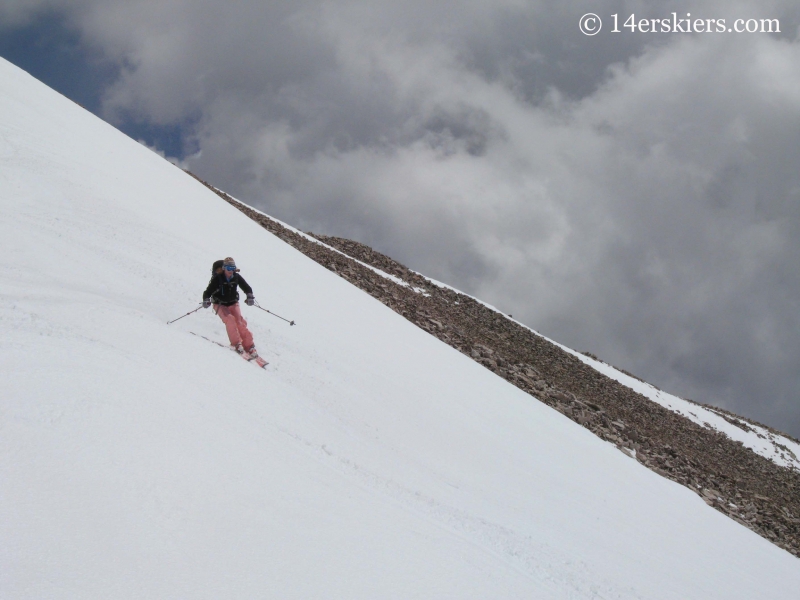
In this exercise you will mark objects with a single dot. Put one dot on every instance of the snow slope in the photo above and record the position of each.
(369, 461)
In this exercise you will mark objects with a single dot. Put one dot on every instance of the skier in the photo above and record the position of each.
(222, 292)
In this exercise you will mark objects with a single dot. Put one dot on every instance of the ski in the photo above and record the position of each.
(253, 359)
(210, 340)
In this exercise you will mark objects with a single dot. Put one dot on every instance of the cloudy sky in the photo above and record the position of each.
(636, 195)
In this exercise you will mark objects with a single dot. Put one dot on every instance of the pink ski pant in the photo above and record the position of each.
(238, 333)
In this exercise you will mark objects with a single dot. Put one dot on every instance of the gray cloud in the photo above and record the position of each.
(632, 195)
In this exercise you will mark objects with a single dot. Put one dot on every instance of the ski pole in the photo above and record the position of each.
(186, 315)
(257, 305)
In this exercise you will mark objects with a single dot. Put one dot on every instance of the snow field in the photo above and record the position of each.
(369, 460)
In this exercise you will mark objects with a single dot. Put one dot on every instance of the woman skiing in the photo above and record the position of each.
(222, 292)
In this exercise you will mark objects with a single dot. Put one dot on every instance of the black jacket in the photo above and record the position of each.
(223, 291)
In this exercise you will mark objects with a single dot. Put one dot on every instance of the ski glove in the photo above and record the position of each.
(250, 300)
(206, 302)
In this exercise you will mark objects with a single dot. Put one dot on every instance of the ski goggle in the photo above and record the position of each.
(229, 267)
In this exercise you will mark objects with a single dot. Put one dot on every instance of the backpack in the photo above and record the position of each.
(214, 268)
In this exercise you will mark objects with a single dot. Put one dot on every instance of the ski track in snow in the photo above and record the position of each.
(529, 557)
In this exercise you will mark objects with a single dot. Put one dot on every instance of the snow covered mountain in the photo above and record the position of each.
(370, 460)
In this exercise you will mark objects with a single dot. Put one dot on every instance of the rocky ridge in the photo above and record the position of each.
(729, 477)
